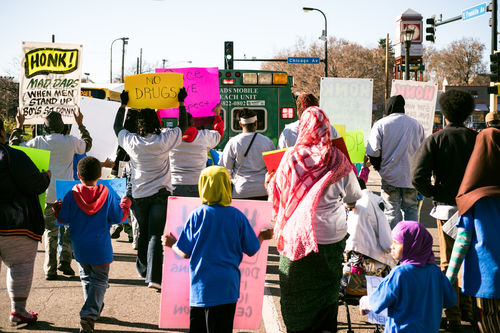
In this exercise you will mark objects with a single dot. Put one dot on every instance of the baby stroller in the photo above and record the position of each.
(367, 250)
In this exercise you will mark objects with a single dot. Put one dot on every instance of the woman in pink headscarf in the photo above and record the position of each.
(308, 193)
(416, 290)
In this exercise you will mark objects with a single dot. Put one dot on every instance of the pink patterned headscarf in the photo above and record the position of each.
(304, 172)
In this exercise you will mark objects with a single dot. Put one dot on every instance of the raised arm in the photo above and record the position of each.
(183, 122)
(118, 125)
(84, 134)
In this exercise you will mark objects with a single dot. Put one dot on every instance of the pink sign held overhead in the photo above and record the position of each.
(202, 86)
(174, 307)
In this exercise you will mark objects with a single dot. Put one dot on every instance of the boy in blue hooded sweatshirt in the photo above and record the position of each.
(89, 210)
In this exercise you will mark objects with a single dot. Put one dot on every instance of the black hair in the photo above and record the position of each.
(2, 127)
(89, 168)
(456, 105)
(362, 183)
(148, 122)
(248, 113)
(130, 123)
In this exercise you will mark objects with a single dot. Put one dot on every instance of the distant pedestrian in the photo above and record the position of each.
(437, 171)
(289, 135)
(478, 236)
(150, 176)
(190, 156)
(89, 210)
(242, 157)
(492, 119)
(393, 141)
(21, 224)
(308, 191)
(214, 238)
(62, 150)
(415, 291)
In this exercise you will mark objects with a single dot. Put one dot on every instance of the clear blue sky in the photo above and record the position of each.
(195, 30)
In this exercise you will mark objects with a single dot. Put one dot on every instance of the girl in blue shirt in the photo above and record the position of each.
(416, 290)
(214, 239)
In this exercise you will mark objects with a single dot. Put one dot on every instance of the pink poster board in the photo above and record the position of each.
(174, 307)
(202, 86)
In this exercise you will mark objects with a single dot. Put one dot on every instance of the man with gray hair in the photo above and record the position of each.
(62, 149)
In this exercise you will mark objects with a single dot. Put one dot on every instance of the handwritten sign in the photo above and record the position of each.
(420, 100)
(348, 102)
(355, 143)
(117, 187)
(41, 158)
(50, 80)
(153, 90)
(174, 307)
(202, 86)
(372, 283)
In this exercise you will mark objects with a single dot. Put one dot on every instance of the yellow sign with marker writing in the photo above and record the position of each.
(44, 61)
(153, 90)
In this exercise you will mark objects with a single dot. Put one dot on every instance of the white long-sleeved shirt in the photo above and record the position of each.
(291, 131)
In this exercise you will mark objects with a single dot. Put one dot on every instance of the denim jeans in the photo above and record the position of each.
(151, 214)
(400, 203)
(94, 282)
(51, 243)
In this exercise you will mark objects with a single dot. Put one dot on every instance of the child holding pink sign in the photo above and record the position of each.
(214, 238)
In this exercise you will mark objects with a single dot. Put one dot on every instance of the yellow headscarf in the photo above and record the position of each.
(214, 186)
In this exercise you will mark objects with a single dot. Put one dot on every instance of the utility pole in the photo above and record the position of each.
(493, 97)
(387, 67)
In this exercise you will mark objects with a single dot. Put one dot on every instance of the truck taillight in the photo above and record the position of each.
(249, 78)
(287, 113)
(227, 81)
(265, 78)
(280, 78)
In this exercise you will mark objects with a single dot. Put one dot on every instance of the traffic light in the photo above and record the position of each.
(431, 29)
(494, 67)
(228, 55)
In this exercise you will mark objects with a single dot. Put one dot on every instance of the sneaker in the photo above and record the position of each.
(87, 325)
(66, 269)
(154, 285)
(25, 318)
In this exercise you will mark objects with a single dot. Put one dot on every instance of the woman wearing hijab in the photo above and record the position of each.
(214, 239)
(308, 193)
(416, 290)
(478, 203)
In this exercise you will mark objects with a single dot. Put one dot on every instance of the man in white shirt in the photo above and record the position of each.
(62, 149)
(289, 135)
(393, 141)
(247, 172)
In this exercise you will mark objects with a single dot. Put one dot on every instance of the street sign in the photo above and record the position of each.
(303, 60)
(475, 11)
(413, 67)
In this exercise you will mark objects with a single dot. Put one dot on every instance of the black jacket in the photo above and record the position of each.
(20, 185)
(443, 155)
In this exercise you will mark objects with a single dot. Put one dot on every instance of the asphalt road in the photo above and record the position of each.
(132, 307)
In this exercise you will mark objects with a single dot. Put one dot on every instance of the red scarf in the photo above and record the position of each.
(305, 171)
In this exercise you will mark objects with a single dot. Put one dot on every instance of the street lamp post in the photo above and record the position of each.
(324, 36)
(175, 63)
(407, 37)
(125, 41)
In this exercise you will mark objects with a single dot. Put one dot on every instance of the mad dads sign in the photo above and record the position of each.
(50, 80)
(174, 308)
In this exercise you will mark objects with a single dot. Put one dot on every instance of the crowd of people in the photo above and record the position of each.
(327, 226)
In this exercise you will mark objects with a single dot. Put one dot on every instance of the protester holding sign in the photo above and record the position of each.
(21, 223)
(242, 156)
(190, 157)
(214, 238)
(150, 177)
(308, 192)
(63, 148)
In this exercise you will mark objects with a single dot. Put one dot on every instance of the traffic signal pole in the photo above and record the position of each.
(494, 97)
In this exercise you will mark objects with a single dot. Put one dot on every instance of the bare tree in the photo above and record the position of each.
(460, 63)
(345, 59)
